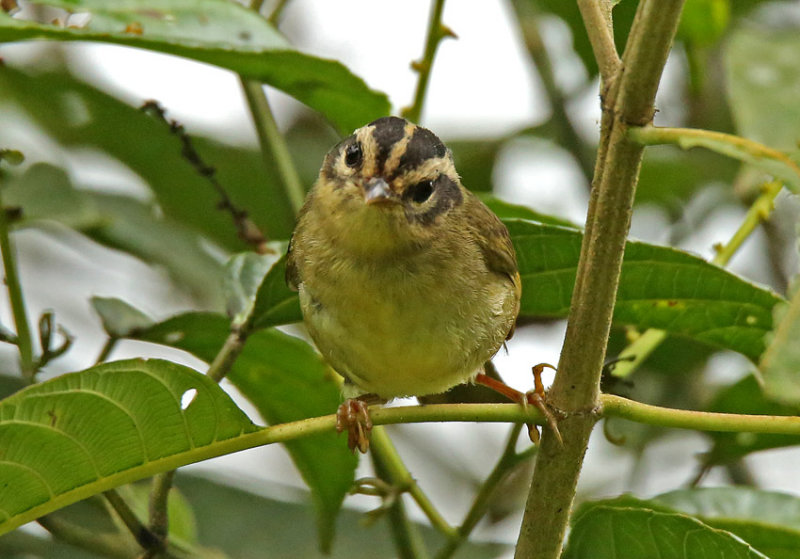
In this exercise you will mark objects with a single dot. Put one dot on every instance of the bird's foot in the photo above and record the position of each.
(353, 416)
(536, 397)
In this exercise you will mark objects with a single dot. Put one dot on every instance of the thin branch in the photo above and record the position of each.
(159, 503)
(608, 406)
(436, 32)
(273, 145)
(508, 460)
(387, 466)
(732, 146)
(596, 16)
(246, 229)
(576, 387)
(24, 339)
(141, 533)
(106, 350)
(105, 545)
(277, 11)
(402, 479)
(224, 360)
(616, 406)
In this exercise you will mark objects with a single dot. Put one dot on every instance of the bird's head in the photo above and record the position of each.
(391, 184)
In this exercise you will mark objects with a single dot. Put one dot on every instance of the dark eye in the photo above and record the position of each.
(421, 191)
(352, 155)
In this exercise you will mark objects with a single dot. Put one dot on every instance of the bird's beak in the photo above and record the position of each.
(377, 191)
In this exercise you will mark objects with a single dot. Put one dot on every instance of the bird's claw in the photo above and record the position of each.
(353, 416)
(537, 398)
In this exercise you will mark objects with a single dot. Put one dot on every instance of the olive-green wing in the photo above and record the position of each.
(494, 241)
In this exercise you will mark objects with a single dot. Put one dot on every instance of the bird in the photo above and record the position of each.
(407, 282)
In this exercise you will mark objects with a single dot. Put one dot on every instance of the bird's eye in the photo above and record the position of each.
(421, 191)
(353, 155)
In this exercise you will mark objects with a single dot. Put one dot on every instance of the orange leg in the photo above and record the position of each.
(536, 397)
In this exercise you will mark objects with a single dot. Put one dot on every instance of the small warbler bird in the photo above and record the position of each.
(408, 283)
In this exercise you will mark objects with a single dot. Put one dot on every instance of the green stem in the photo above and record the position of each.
(108, 347)
(100, 544)
(402, 479)
(758, 213)
(405, 535)
(596, 17)
(276, 11)
(729, 145)
(24, 338)
(480, 504)
(141, 533)
(631, 358)
(159, 503)
(273, 145)
(575, 391)
(436, 32)
(608, 406)
(616, 406)
(224, 360)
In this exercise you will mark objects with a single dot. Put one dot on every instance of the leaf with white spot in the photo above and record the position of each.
(82, 433)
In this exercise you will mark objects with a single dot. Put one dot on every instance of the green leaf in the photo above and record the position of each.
(287, 381)
(275, 303)
(660, 287)
(767, 520)
(52, 100)
(763, 72)
(630, 529)
(118, 317)
(46, 194)
(780, 364)
(746, 397)
(221, 33)
(506, 210)
(108, 425)
(244, 273)
(256, 290)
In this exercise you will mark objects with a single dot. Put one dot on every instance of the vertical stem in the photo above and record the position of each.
(480, 504)
(273, 145)
(407, 540)
(276, 11)
(596, 16)
(575, 390)
(401, 478)
(436, 32)
(144, 537)
(159, 504)
(24, 339)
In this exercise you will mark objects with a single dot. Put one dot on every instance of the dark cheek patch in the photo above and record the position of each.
(387, 132)
(331, 158)
(446, 195)
(423, 145)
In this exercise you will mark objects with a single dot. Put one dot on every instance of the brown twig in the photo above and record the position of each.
(247, 230)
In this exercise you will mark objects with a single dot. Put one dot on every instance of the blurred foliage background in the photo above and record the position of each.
(112, 207)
